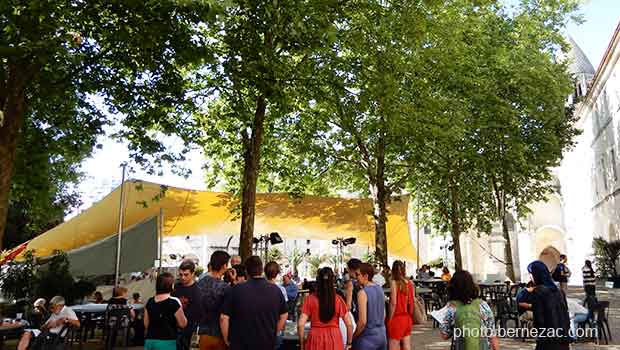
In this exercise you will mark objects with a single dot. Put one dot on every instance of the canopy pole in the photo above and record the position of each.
(160, 246)
(121, 217)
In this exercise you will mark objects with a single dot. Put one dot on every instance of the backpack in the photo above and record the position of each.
(469, 321)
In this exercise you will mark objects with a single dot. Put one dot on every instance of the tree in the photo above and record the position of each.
(19, 279)
(45, 171)
(62, 61)
(533, 127)
(314, 263)
(295, 258)
(491, 134)
(275, 254)
(606, 256)
(348, 126)
(263, 54)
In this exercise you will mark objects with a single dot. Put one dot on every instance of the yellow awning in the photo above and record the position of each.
(188, 212)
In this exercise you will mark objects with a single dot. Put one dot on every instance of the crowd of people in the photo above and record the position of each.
(242, 307)
(239, 305)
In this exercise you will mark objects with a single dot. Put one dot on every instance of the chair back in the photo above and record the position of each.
(51, 341)
(117, 316)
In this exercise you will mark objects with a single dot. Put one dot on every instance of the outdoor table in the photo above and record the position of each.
(422, 290)
(11, 329)
(290, 340)
(99, 308)
(430, 281)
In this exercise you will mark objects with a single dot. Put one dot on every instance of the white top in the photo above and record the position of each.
(65, 312)
(378, 279)
(283, 292)
(574, 307)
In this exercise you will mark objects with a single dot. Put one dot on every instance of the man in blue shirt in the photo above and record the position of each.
(291, 293)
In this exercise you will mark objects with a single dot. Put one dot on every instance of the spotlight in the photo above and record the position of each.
(335, 242)
(255, 240)
(274, 238)
(348, 241)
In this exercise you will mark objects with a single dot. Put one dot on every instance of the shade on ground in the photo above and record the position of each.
(189, 212)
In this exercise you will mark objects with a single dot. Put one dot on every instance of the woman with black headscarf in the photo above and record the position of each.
(551, 319)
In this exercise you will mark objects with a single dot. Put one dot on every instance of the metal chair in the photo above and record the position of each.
(52, 341)
(117, 321)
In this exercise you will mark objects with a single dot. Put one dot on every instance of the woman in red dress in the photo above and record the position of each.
(324, 309)
(400, 317)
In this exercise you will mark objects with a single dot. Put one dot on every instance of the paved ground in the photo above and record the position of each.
(424, 337)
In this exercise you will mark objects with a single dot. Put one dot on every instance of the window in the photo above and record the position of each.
(612, 155)
(604, 172)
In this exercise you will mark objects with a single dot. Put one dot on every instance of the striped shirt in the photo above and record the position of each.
(589, 278)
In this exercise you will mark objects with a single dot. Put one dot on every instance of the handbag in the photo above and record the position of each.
(418, 311)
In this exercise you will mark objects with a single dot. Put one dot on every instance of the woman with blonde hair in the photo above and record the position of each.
(400, 316)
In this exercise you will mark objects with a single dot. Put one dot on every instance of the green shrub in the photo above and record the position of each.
(606, 255)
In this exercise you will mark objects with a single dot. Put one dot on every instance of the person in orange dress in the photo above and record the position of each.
(400, 316)
(445, 275)
(324, 309)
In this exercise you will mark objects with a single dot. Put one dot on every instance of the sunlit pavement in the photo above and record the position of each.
(424, 337)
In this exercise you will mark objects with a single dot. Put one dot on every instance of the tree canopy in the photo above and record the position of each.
(462, 102)
(61, 62)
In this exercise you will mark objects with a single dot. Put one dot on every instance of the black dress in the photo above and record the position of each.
(551, 319)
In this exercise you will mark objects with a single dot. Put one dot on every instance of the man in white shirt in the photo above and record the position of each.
(61, 316)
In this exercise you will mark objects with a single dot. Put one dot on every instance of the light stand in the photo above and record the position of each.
(340, 243)
(262, 243)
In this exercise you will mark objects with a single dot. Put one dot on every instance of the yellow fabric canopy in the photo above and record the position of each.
(188, 212)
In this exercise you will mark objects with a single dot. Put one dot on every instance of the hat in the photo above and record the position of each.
(40, 302)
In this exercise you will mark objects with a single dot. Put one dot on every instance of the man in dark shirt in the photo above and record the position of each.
(188, 293)
(253, 312)
(212, 288)
(351, 286)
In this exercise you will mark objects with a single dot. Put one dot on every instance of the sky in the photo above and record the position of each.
(593, 36)
(103, 169)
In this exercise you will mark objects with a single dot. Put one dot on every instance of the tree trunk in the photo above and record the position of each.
(14, 109)
(252, 144)
(380, 195)
(456, 226)
(378, 192)
(510, 271)
(500, 196)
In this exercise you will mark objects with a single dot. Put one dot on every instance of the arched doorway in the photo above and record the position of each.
(549, 236)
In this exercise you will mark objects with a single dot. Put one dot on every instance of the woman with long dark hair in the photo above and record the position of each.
(324, 309)
(467, 313)
(400, 316)
(370, 332)
(550, 309)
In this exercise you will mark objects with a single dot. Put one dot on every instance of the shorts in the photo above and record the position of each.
(160, 344)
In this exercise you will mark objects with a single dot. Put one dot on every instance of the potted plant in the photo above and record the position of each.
(606, 255)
